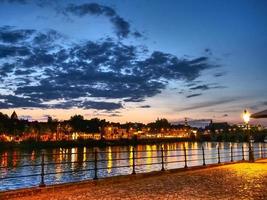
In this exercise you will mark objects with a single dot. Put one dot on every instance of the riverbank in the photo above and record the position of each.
(33, 144)
(232, 181)
(87, 143)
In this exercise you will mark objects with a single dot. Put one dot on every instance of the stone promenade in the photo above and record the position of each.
(234, 181)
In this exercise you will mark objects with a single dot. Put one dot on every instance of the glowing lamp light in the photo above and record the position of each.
(246, 116)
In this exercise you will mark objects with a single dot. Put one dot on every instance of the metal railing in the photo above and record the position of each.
(185, 157)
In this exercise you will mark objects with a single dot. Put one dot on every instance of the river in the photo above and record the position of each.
(77, 161)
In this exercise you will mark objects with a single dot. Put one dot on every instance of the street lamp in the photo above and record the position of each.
(246, 118)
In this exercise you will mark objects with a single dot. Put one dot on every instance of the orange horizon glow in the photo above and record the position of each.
(135, 115)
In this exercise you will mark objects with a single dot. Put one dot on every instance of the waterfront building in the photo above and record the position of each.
(115, 133)
(218, 127)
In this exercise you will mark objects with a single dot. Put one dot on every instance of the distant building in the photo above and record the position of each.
(113, 133)
(218, 127)
(14, 116)
(186, 122)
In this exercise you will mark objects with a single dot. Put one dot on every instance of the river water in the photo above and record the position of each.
(74, 164)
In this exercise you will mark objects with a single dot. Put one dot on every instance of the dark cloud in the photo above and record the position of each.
(15, 1)
(122, 27)
(145, 106)
(11, 101)
(208, 51)
(91, 8)
(209, 104)
(258, 105)
(88, 105)
(114, 115)
(46, 39)
(102, 105)
(76, 75)
(200, 87)
(219, 74)
(137, 34)
(207, 87)
(8, 35)
(40, 3)
(5, 68)
(11, 51)
(193, 83)
(193, 95)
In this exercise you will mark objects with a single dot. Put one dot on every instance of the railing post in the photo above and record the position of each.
(42, 184)
(219, 159)
(162, 159)
(185, 158)
(232, 159)
(243, 153)
(261, 152)
(95, 168)
(264, 152)
(203, 156)
(250, 152)
(133, 161)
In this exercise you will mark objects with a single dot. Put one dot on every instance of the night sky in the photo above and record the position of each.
(133, 60)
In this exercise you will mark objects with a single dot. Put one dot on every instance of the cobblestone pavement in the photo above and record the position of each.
(237, 181)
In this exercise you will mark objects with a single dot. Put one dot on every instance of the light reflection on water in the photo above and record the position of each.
(109, 157)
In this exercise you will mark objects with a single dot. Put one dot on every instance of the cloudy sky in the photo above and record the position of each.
(133, 60)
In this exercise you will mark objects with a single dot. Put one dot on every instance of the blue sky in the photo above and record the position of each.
(133, 60)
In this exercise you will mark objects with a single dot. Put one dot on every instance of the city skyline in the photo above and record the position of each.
(133, 60)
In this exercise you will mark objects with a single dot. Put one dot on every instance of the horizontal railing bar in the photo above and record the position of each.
(21, 166)
(115, 159)
(177, 149)
(237, 155)
(19, 155)
(66, 153)
(137, 151)
(68, 162)
(106, 160)
(91, 152)
(237, 151)
(71, 171)
(144, 164)
(139, 158)
(211, 158)
(193, 160)
(22, 176)
(194, 154)
(177, 161)
(120, 166)
(114, 152)
(173, 156)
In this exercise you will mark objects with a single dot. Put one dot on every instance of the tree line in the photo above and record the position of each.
(77, 123)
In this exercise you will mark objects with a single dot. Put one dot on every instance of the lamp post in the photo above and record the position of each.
(246, 118)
